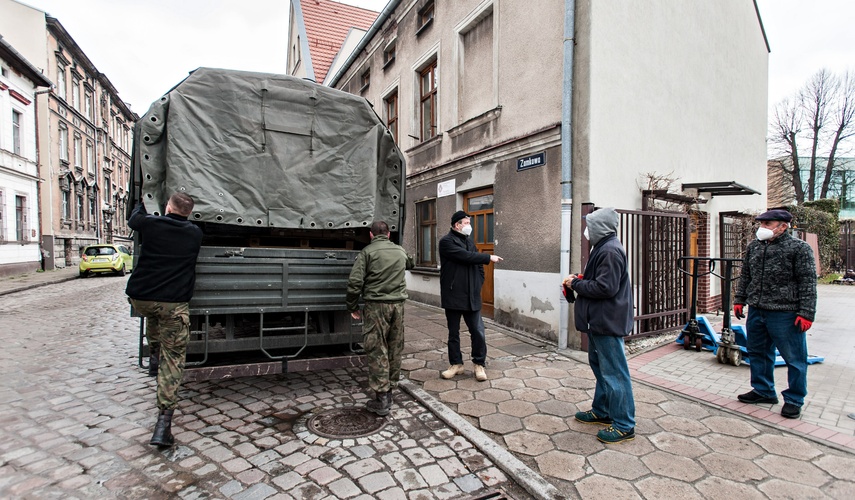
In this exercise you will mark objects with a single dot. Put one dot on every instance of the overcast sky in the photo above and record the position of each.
(147, 46)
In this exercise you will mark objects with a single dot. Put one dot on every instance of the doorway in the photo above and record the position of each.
(479, 205)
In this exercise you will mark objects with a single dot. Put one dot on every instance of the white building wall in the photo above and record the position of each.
(669, 96)
(23, 27)
(18, 172)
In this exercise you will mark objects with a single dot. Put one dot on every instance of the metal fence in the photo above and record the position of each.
(654, 243)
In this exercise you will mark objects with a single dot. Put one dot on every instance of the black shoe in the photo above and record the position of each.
(381, 404)
(163, 429)
(153, 362)
(791, 411)
(754, 398)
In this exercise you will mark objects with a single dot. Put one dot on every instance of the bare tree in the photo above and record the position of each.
(843, 120)
(822, 113)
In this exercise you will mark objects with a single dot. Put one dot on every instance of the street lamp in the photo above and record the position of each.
(108, 221)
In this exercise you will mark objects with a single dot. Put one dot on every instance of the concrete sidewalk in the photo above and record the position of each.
(27, 281)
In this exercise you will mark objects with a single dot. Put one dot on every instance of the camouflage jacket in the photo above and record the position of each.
(379, 273)
(779, 275)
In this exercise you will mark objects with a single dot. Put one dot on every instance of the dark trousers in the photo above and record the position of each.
(476, 334)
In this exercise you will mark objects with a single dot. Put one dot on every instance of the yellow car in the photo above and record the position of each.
(106, 258)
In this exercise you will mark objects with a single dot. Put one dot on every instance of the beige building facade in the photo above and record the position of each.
(84, 138)
(474, 90)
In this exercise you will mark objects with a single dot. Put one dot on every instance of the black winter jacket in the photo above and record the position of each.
(461, 272)
(604, 294)
(169, 246)
(779, 275)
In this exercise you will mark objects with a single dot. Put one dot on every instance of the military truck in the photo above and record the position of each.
(287, 176)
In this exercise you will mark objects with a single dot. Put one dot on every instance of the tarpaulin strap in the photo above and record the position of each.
(263, 121)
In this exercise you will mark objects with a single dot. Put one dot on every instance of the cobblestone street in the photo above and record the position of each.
(78, 413)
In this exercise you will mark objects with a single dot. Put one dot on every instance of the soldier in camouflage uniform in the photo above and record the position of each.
(160, 289)
(378, 277)
(778, 283)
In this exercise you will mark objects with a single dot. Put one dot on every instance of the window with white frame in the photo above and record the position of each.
(60, 80)
(17, 119)
(75, 93)
(2, 218)
(79, 213)
(90, 158)
(66, 205)
(20, 218)
(87, 105)
(63, 142)
(78, 151)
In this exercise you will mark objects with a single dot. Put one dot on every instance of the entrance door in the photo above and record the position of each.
(479, 204)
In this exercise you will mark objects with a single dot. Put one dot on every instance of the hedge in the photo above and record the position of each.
(821, 218)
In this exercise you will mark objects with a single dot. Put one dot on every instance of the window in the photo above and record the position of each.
(75, 93)
(79, 207)
(20, 218)
(107, 188)
(425, 16)
(63, 142)
(60, 80)
(390, 105)
(428, 98)
(78, 152)
(389, 55)
(16, 132)
(365, 80)
(2, 223)
(426, 215)
(87, 105)
(91, 208)
(90, 158)
(66, 209)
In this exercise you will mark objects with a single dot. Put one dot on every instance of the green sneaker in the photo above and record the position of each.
(610, 435)
(589, 417)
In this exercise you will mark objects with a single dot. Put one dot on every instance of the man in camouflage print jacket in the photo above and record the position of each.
(778, 283)
(378, 276)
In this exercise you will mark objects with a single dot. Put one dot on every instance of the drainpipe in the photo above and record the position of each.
(566, 162)
(40, 179)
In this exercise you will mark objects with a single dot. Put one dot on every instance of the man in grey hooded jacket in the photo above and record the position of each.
(604, 312)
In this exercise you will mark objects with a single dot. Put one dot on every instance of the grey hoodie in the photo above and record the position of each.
(602, 223)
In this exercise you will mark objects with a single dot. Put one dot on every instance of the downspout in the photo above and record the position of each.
(566, 162)
(39, 179)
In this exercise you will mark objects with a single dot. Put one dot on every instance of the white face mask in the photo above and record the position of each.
(764, 234)
(586, 234)
(467, 230)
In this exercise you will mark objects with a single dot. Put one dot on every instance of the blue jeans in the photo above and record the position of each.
(613, 394)
(766, 331)
(476, 333)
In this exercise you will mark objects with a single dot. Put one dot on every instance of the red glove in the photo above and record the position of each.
(803, 324)
(580, 276)
(737, 311)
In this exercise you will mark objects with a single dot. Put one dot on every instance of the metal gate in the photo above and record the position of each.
(654, 243)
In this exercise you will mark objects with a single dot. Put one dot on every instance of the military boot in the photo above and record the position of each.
(381, 404)
(153, 362)
(163, 429)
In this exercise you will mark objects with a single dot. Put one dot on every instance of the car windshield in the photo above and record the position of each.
(100, 251)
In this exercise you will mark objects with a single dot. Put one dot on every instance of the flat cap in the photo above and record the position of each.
(458, 215)
(776, 214)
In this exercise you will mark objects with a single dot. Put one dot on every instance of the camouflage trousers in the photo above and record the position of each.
(167, 328)
(383, 339)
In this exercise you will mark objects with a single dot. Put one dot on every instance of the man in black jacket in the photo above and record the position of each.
(604, 312)
(160, 290)
(461, 275)
(778, 282)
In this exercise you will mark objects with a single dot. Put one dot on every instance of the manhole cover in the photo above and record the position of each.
(340, 423)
